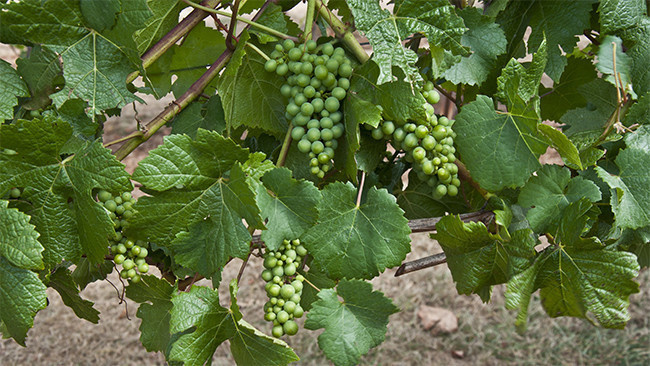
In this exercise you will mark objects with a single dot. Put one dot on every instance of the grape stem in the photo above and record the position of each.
(307, 34)
(170, 39)
(348, 39)
(183, 101)
(241, 19)
(360, 193)
(243, 267)
(312, 285)
(285, 148)
(256, 49)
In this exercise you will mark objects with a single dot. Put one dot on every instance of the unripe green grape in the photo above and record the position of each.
(311, 45)
(336, 116)
(337, 130)
(124, 273)
(290, 327)
(280, 263)
(297, 285)
(295, 298)
(315, 170)
(332, 65)
(282, 69)
(143, 268)
(427, 167)
(317, 147)
(313, 134)
(131, 273)
(102, 195)
(278, 271)
(274, 290)
(327, 49)
(419, 153)
(127, 214)
(434, 97)
(304, 146)
(277, 331)
(129, 243)
(288, 44)
(269, 317)
(443, 121)
(287, 291)
(338, 93)
(410, 127)
(110, 205)
(307, 109)
(421, 131)
(436, 161)
(139, 261)
(285, 90)
(326, 122)
(303, 80)
(280, 302)
(294, 54)
(136, 278)
(128, 205)
(128, 264)
(135, 250)
(441, 190)
(118, 200)
(321, 72)
(388, 128)
(429, 142)
(444, 159)
(314, 162)
(298, 312)
(452, 190)
(282, 316)
(143, 252)
(455, 182)
(289, 307)
(270, 65)
(121, 249)
(299, 99)
(343, 82)
(324, 112)
(306, 68)
(345, 70)
(118, 236)
(297, 133)
(322, 158)
(292, 109)
(399, 135)
(277, 279)
(443, 174)
(119, 259)
(301, 251)
(290, 269)
(377, 134)
(313, 123)
(410, 141)
(309, 91)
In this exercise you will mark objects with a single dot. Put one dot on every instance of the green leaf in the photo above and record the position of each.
(19, 241)
(352, 326)
(62, 282)
(517, 84)
(57, 192)
(87, 272)
(567, 150)
(289, 206)
(353, 241)
(549, 192)
(630, 195)
(249, 346)
(318, 279)
(247, 90)
(11, 87)
(639, 112)
(606, 61)
(274, 18)
(486, 40)
(208, 116)
(194, 209)
(95, 70)
(557, 22)
(386, 32)
(154, 296)
(165, 17)
(479, 259)
(39, 71)
(639, 52)
(100, 15)
(500, 149)
(619, 15)
(564, 94)
(22, 295)
(212, 324)
(585, 125)
(418, 202)
(578, 277)
(637, 242)
(200, 49)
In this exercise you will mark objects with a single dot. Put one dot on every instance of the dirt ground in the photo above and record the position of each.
(486, 334)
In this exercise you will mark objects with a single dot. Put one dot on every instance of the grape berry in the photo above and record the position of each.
(317, 80)
(126, 252)
(284, 287)
(428, 146)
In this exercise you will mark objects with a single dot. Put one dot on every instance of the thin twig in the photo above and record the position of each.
(363, 181)
(284, 151)
(311, 284)
(422, 263)
(445, 93)
(233, 26)
(243, 267)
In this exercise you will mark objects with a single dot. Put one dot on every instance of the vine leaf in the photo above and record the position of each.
(548, 193)
(61, 280)
(486, 40)
(248, 90)
(564, 94)
(209, 325)
(502, 149)
(630, 195)
(578, 277)
(274, 18)
(617, 16)
(19, 243)
(386, 32)
(87, 272)
(154, 296)
(164, 18)
(11, 87)
(479, 259)
(249, 346)
(208, 116)
(22, 295)
(352, 326)
(39, 72)
(418, 202)
(199, 197)
(288, 204)
(352, 241)
(57, 192)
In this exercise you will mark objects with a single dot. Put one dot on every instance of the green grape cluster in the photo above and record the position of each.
(284, 287)
(428, 145)
(126, 252)
(317, 80)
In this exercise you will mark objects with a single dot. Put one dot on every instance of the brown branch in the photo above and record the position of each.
(422, 263)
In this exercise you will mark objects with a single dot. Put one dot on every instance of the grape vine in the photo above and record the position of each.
(315, 152)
